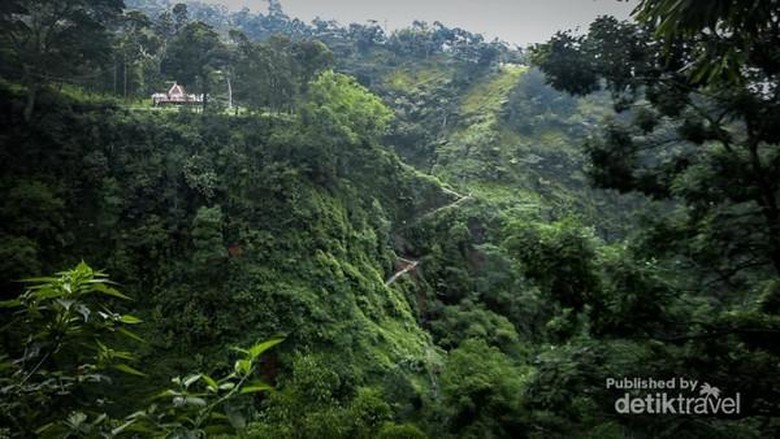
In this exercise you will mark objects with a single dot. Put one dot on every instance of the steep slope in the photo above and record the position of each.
(517, 142)
(226, 230)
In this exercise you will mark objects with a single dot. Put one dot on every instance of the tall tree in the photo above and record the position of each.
(52, 40)
(180, 16)
(340, 108)
(136, 46)
(735, 32)
(193, 55)
(696, 86)
(264, 76)
(703, 133)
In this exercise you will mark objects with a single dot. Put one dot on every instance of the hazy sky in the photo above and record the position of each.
(515, 21)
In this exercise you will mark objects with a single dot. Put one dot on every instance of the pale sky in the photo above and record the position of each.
(515, 21)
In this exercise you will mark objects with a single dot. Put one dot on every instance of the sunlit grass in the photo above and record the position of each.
(487, 97)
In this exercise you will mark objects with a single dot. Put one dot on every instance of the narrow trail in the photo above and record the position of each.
(451, 192)
(461, 200)
(412, 264)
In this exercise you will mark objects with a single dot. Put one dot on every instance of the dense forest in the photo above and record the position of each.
(343, 231)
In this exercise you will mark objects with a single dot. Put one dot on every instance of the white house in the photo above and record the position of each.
(176, 96)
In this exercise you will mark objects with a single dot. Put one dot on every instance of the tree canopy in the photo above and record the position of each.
(54, 40)
(705, 135)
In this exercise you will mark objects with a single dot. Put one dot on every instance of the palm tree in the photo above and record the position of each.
(708, 390)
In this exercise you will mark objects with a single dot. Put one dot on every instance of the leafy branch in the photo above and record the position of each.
(59, 341)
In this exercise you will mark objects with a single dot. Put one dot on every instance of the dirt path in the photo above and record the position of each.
(411, 264)
(461, 200)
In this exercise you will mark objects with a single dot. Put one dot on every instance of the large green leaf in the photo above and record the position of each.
(10, 303)
(257, 386)
(110, 291)
(131, 334)
(130, 319)
(129, 370)
(257, 349)
(211, 385)
(188, 381)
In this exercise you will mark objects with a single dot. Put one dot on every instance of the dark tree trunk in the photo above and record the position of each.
(773, 222)
(29, 107)
(115, 68)
(205, 89)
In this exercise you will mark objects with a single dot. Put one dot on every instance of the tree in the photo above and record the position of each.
(481, 389)
(47, 41)
(136, 45)
(340, 122)
(338, 106)
(735, 32)
(180, 16)
(310, 58)
(60, 347)
(193, 56)
(366, 36)
(264, 74)
(207, 238)
(705, 136)
(63, 341)
(699, 279)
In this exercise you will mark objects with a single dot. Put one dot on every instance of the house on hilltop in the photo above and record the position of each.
(176, 96)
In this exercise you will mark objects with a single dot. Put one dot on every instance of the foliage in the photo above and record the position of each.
(64, 343)
(403, 431)
(469, 321)
(698, 134)
(517, 289)
(186, 411)
(338, 108)
(193, 56)
(703, 136)
(318, 402)
(274, 74)
(46, 41)
(208, 242)
(560, 258)
(482, 388)
(737, 33)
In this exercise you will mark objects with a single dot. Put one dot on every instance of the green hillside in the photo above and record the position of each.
(342, 232)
